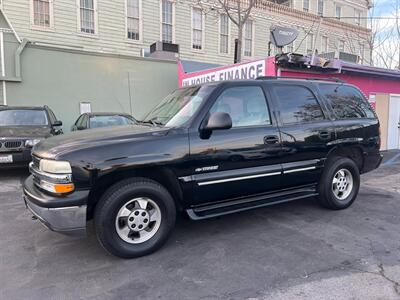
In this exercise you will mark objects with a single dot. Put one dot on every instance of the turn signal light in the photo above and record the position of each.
(58, 188)
(64, 188)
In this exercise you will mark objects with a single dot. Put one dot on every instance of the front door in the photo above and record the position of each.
(394, 123)
(240, 161)
(306, 133)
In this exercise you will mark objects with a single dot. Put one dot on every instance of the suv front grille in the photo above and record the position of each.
(11, 145)
(36, 162)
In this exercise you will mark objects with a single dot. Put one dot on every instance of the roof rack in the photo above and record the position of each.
(334, 79)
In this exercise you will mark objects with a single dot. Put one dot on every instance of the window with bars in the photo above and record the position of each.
(133, 19)
(224, 33)
(167, 21)
(41, 13)
(320, 8)
(87, 16)
(248, 38)
(306, 5)
(197, 28)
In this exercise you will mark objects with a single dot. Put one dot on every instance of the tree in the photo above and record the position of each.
(238, 11)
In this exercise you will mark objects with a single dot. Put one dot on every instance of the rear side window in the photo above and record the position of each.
(297, 104)
(346, 101)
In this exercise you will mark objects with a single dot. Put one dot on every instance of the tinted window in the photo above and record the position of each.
(79, 122)
(105, 121)
(23, 117)
(297, 104)
(52, 116)
(346, 101)
(246, 106)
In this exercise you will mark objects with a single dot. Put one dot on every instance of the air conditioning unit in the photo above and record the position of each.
(349, 57)
(144, 52)
(164, 50)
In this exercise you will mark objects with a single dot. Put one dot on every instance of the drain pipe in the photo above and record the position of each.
(17, 58)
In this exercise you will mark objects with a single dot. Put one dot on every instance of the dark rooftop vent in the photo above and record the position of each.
(164, 50)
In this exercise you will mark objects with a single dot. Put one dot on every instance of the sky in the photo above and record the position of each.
(386, 32)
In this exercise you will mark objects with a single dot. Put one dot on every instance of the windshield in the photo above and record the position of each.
(177, 108)
(23, 117)
(105, 121)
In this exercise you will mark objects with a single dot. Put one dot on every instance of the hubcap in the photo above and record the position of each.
(138, 220)
(342, 184)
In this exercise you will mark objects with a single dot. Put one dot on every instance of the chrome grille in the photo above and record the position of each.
(13, 144)
(36, 162)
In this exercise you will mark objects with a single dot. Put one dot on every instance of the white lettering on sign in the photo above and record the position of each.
(287, 33)
(250, 70)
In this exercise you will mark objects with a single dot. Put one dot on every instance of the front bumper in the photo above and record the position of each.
(20, 159)
(55, 214)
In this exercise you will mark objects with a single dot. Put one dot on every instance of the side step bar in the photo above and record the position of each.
(243, 204)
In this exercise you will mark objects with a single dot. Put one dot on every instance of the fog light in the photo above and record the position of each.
(58, 188)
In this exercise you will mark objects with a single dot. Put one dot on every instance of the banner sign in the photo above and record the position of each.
(250, 70)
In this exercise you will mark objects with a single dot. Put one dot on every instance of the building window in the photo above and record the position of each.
(42, 13)
(321, 8)
(357, 15)
(310, 44)
(306, 5)
(167, 26)
(324, 44)
(223, 34)
(248, 38)
(338, 12)
(197, 28)
(133, 19)
(341, 45)
(87, 12)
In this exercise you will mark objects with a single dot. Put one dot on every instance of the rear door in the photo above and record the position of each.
(240, 161)
(306, 132)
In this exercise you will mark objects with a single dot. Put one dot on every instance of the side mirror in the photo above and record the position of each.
(57, 123)
(219, 121)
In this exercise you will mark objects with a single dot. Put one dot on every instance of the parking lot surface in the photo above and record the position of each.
(295, 250)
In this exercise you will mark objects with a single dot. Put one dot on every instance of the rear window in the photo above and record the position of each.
(23, 117)
(347, 102)
(297, 104)
(105, 121)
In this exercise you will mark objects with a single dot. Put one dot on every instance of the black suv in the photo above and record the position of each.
(208, 151)
(20, 129)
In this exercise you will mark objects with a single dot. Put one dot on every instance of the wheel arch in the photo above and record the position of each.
(161, 175)
(353, 152)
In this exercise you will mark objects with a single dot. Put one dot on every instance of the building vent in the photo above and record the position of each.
(164, 50)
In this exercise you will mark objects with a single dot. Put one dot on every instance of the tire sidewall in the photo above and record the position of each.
(333, 168)
(106, 219)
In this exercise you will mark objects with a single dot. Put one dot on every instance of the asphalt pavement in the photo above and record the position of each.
(295, 250)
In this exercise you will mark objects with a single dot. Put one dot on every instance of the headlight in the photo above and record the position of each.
(31, 143)
(55, 167)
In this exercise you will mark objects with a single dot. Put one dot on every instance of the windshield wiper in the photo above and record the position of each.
(152, 122)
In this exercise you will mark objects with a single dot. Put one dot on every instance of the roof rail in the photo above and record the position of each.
(304, 78)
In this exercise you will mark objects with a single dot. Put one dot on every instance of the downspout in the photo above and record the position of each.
(17, 58)
(3, 68)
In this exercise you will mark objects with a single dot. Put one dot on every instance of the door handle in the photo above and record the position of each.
(324, 135)
(271, 139)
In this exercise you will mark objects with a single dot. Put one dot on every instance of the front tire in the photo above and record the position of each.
(339, 183)
(134, 217)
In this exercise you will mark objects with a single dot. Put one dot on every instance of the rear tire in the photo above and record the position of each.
(339, 183)
(134, 217)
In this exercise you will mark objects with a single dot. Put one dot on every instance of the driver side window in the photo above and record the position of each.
(246, 105)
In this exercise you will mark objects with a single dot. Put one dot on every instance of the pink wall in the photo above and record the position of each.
(366, 83)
